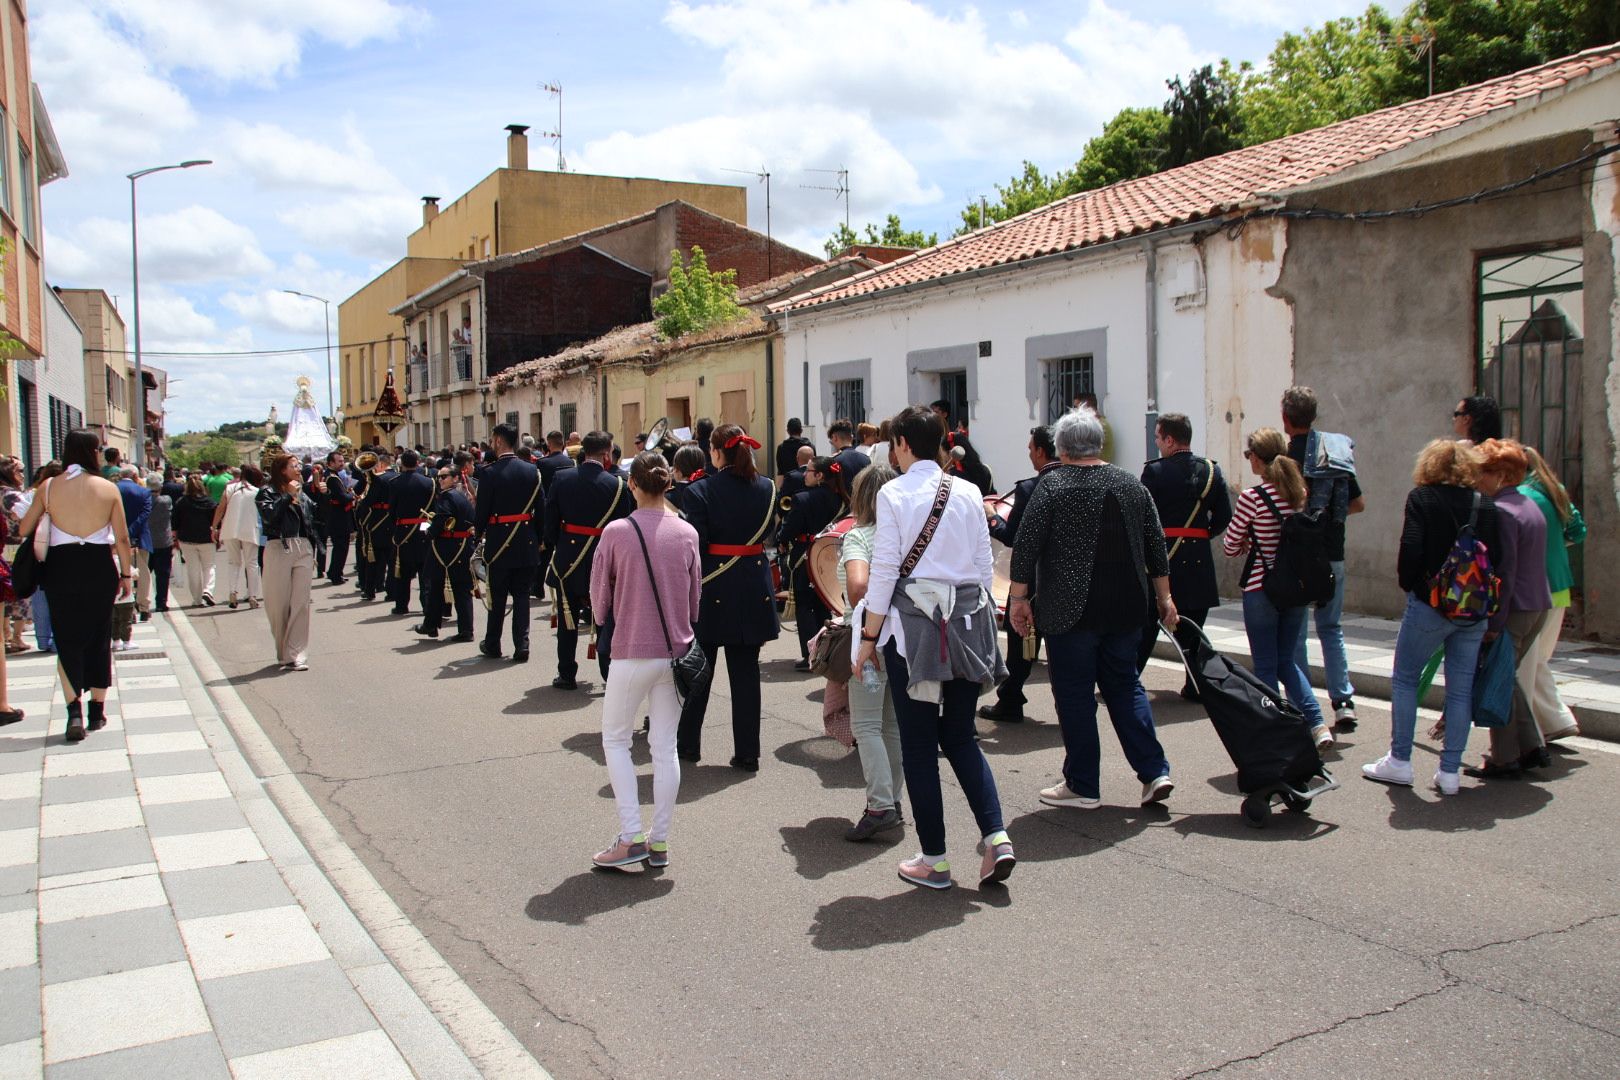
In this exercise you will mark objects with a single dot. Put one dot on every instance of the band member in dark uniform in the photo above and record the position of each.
(733, 510)
(447, 568)
(338, 508)
(510, 502)
(814, 508)
(583, 501)
(851, 459)
(556, 459)
(793, 481)
(1194, 505)
(410, 495)
(1009, 706)
(689, 461)
(376, 531)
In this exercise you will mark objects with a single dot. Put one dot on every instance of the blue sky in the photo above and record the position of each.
(327, 119)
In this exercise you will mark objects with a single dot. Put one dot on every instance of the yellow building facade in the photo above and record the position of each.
(511, 209)
(108, 373)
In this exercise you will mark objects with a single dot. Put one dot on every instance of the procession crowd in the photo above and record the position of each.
(668, 558)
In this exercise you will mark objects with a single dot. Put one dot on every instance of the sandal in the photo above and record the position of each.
(10, 716)
(12, 648)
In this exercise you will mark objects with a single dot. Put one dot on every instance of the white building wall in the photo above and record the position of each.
(60, 370)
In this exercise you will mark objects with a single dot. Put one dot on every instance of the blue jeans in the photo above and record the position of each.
(43, 637)
(1275, 641)
(1423, 632)
(1081, 662)
(1330, 632)
(928, 730)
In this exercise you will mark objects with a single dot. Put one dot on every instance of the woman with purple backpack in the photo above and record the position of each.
(1438, 509)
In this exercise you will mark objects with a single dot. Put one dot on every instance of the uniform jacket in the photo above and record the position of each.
(739, 603)
(677, 493)
(1175, 483)
(410, 496)
(792, 484)
(1006, 529)
(338, 504)
(507, 487)
(813, 510)
(582, 497)
(452, 513)
(851, 460)
(551, 465)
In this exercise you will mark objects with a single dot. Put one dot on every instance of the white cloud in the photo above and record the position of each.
(194, 244)
(1276, 14)
(1126, 60)
(165, 313)
(108, 104)
(790, 139)
(276, 158)
(366, 226)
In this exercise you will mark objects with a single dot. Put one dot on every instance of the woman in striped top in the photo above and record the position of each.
(1255, 531)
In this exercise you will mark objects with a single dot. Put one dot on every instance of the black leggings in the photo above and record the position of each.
(81, 583)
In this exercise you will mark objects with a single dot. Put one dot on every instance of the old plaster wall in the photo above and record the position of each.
(1385, 314)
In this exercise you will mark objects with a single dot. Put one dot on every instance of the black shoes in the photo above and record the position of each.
(485, 651)
(98, 715)
(400, 611)
(1538, 758)
(429, 632)
(1001, 713)
(689, 758)
(462, 637)
(1490, 770)
(746, 764)
(564, 682)
(520, 656)
(872, 823)
(802, 665)
(75, 725)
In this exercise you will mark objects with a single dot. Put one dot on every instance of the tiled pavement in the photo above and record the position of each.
(1588, 674)
(142, 914)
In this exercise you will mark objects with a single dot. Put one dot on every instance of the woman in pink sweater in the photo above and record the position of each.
(622, 592)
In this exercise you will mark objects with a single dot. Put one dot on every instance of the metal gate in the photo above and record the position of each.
(1067, 379)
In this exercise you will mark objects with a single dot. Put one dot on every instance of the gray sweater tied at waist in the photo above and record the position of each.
(949, 632)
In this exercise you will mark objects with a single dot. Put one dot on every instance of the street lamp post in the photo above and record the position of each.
(135, 282)
(330, 409)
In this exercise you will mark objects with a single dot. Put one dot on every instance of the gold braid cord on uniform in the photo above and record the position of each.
(564, 609)
(770, 512)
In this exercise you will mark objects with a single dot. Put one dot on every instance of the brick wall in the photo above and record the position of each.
(731, 247)
(540, 308)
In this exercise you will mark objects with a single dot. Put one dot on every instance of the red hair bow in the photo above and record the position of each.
(742, 438)
(697, 474)
(835, 467)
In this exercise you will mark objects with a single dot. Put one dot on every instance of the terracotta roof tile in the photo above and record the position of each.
(1211, 187)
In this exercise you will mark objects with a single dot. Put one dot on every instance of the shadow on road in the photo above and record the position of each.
(545, 698)
(1027, 737)
(1480, 804)
(476, 664)
(834, 766)
(1283, 825)
(818, 847)
(860, 922)
(1054, 833)
(269, 671)
(597, 892)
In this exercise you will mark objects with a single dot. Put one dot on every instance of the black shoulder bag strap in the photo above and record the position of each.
(931, 526)
(1278, 514)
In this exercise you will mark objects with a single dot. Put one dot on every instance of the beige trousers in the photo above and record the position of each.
(289, 566)
(143, 580)
(199, 560)
(1520, 735)
(1535, 675)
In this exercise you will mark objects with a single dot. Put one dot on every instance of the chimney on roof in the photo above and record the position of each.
(517, 146)
(430, 208)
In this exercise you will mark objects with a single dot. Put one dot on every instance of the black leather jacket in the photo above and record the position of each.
(285, 515)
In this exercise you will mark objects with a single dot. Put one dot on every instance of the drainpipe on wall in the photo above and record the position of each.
(770, 395)
(1151, 282)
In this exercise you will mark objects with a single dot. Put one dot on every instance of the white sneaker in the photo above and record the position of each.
(1322, 735)
(1387, 770)
(1446, 783)
(1060, 794)
(1157, 790)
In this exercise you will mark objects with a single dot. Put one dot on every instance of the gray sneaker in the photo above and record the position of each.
(870, 824)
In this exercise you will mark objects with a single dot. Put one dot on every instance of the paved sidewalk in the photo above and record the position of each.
(160, 912)
(1588, 674)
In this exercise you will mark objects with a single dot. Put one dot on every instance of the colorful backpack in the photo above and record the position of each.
(1466, 588)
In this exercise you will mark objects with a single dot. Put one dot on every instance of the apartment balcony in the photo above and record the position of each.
(461, 363)
(416, 380)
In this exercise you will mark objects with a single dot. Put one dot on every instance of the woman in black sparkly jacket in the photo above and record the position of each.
(1091, 547)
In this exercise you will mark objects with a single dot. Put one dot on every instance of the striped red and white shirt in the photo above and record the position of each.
(1253, 520)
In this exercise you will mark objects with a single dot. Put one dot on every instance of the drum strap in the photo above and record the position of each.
(759, 534)
(1198, 508)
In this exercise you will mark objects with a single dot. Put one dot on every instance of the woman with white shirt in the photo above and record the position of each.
(237, 528)
(929, 610)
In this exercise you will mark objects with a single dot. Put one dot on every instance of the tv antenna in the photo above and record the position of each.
(763, 175)
(840, 189)
(555, 89)
(1424, 40)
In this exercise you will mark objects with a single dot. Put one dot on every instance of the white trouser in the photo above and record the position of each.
(289, 567)
(1535, 675)
(199, 559)
(243, 556)
(629, 683)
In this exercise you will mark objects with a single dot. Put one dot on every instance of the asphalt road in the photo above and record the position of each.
(1389, 934)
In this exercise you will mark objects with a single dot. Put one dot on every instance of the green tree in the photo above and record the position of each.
(1343, 68)
(697, 297)
(893, 234)
(1476, 40)
(213, 447)
(1026, 191)
(1203, 118)
(1131, 145)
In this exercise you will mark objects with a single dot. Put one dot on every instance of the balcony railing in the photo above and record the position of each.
(416, 383)
(461, 360)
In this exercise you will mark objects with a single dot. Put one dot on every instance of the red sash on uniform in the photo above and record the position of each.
(1188, 534)
(581, 530)
(726, 551)
(509, 519)
(410, 521)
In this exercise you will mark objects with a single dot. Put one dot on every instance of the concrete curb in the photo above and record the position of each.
(1596, 722)
(437, 1022)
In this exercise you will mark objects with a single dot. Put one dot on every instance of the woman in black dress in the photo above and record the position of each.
(88, 567)
(733, 511)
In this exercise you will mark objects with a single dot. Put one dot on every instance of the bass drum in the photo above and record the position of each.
(480, 575)
(822, 561)
(1001, 587)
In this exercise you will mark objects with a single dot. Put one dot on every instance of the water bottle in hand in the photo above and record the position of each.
(870, 676)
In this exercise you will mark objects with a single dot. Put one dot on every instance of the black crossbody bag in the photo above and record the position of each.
(691, 669)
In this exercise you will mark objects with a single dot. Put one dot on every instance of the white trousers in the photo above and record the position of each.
(630, 682)
(199, 560)
(243, 557)
(289, 568)
(1541, 689)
